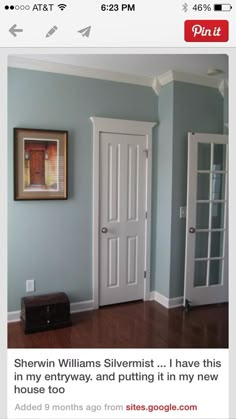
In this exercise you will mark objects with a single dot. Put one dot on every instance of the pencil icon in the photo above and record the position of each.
(51, 31)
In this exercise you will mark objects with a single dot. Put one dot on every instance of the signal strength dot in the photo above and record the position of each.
(62, 6)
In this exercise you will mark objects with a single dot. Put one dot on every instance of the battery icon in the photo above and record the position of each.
(222, 7)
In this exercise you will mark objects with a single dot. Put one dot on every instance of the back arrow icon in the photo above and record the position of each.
(13, 30)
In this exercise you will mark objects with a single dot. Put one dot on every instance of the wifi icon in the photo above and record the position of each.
(62, 6)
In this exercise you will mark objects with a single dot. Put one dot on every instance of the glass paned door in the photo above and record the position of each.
(206, 257)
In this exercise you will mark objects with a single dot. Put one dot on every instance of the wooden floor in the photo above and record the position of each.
(133, 325)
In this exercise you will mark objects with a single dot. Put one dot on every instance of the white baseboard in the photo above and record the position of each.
(14, 316)
(82, 306)
(166, 302)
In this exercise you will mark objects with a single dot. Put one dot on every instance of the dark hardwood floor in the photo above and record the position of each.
(133, 325)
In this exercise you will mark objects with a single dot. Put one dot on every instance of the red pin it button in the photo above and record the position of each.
(206, 30)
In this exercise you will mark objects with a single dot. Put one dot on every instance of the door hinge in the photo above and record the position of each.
(146, 215)
(145, 274)
(146, 152)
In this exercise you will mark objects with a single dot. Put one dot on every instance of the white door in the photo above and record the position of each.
(122, 163)
(122, 217)
(206, 263)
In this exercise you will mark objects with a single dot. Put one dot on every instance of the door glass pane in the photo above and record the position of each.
(218, 186)
(215, 272)
(203, 181)
(217, 243)
(219, 157)
(201, 245)
(200, 273)
(217, 218)
(204, 156)
(202, 216)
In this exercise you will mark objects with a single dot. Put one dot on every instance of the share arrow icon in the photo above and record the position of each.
(85, 31)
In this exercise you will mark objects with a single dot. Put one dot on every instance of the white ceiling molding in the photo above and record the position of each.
(223, 86)
(166, 78)
(156, 86)
(171, 76)
(155, 82)
(188, 78)
(53, 67)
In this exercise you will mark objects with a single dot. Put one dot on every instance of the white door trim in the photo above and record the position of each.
(121, 126)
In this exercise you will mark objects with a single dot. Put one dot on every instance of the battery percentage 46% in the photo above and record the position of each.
(202, 7)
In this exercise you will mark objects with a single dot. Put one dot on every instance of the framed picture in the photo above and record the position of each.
(40, 164)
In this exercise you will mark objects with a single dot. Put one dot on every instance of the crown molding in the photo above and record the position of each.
(223, 87)
(52, 67)
(188, 78)
(156, 86)
(172, 75)
(155, 82)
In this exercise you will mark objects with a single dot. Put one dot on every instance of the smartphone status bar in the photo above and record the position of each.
(120, 24)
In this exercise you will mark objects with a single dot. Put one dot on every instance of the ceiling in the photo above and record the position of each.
(142, 65)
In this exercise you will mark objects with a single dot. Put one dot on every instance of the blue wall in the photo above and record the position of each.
(183, 108)
(164, 190)
(51, 241)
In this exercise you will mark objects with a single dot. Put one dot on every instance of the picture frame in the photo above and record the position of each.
(40, 164)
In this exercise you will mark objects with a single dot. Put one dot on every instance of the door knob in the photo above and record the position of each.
(104, 230)
(192, 230)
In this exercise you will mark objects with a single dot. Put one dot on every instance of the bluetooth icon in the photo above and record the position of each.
(185, 7)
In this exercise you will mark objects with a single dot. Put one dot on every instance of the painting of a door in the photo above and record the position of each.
(37, 167)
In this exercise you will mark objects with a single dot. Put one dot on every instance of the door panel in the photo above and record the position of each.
(206, 261)
(122, 217)
(113, 177)
(37, 169)
(132, 182)
(132, 260)
(113, 262)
